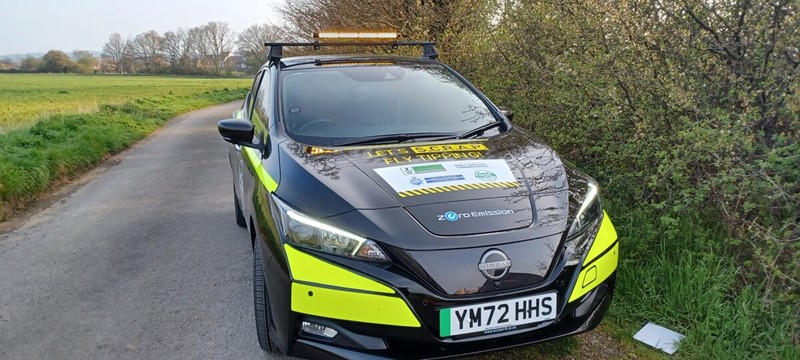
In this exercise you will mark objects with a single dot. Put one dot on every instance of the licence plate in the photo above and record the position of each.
(497, 316)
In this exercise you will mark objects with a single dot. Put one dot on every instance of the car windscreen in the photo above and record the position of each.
(327, 105)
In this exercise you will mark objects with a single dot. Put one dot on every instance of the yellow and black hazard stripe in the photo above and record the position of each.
(447, 188)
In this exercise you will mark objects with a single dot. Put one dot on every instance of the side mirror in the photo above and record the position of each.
(508, 113)
(236, 131)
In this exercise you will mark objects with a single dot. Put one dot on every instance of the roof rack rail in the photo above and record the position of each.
(276, 48)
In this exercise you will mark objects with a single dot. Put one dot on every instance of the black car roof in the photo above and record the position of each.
(308, 60)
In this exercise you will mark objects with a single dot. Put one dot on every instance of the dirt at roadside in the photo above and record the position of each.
(599, 345)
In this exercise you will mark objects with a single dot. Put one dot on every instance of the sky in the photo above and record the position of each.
(30, 26)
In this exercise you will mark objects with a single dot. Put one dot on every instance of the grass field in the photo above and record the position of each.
(24, 98)
(55, 127)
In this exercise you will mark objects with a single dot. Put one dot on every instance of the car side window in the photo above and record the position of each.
(260, 112)
(253, 91)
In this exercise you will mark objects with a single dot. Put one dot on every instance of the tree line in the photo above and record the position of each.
(211, 49)
(54, 61)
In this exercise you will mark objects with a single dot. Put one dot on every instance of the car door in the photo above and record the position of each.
(240, 155)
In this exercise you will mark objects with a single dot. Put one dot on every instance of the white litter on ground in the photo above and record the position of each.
(659, 337)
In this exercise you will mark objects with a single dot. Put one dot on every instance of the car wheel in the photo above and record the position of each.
(240, 220)
(261, 302)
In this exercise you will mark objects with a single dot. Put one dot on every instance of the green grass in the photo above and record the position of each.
(24, 98)
(62, 146)
(684, 282)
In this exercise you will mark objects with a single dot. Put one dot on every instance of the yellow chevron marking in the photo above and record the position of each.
(462, 187)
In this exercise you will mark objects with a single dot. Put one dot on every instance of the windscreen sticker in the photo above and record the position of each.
(448, 148)
(431, 178)
(428, 153)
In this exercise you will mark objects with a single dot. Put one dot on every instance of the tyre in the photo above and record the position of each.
(240, 220)
(261, 302)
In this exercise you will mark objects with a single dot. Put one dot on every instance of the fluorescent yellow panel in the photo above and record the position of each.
(593, 275)
(352, 306)
(308, 268)
(605, 237)
(255, 158)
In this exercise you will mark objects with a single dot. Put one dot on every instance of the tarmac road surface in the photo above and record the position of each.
(144, 261)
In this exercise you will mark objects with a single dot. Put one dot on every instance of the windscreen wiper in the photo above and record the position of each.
(393, 138)
(315, 62)
(478, 131)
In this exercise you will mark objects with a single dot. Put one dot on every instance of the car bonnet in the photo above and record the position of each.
(451, 188)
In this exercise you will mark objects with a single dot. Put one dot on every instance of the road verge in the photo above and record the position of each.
(59, 148)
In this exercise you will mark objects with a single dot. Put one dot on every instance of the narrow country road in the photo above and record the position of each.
(143, 262)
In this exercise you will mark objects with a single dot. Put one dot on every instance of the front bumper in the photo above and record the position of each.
(386, 312)
(370, 341)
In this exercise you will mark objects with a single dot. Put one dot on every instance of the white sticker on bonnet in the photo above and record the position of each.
(470, 173)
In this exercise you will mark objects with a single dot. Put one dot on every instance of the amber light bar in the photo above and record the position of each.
(355, 35)
(276, 48)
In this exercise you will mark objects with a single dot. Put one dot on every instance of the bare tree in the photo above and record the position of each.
(114, 50)
(202, 49)
(215, 45)
(177, 48)
(199, 47)
(188, 58)
(147, 47)
(129, 62)
(250, 44)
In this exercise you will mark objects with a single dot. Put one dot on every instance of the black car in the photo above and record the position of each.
(396, 212)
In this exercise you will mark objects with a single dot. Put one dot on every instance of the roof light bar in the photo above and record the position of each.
(276, 48)
(355, 35)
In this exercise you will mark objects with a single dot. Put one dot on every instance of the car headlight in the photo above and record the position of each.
(578, 238)
(589, 211)
(304, 231)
